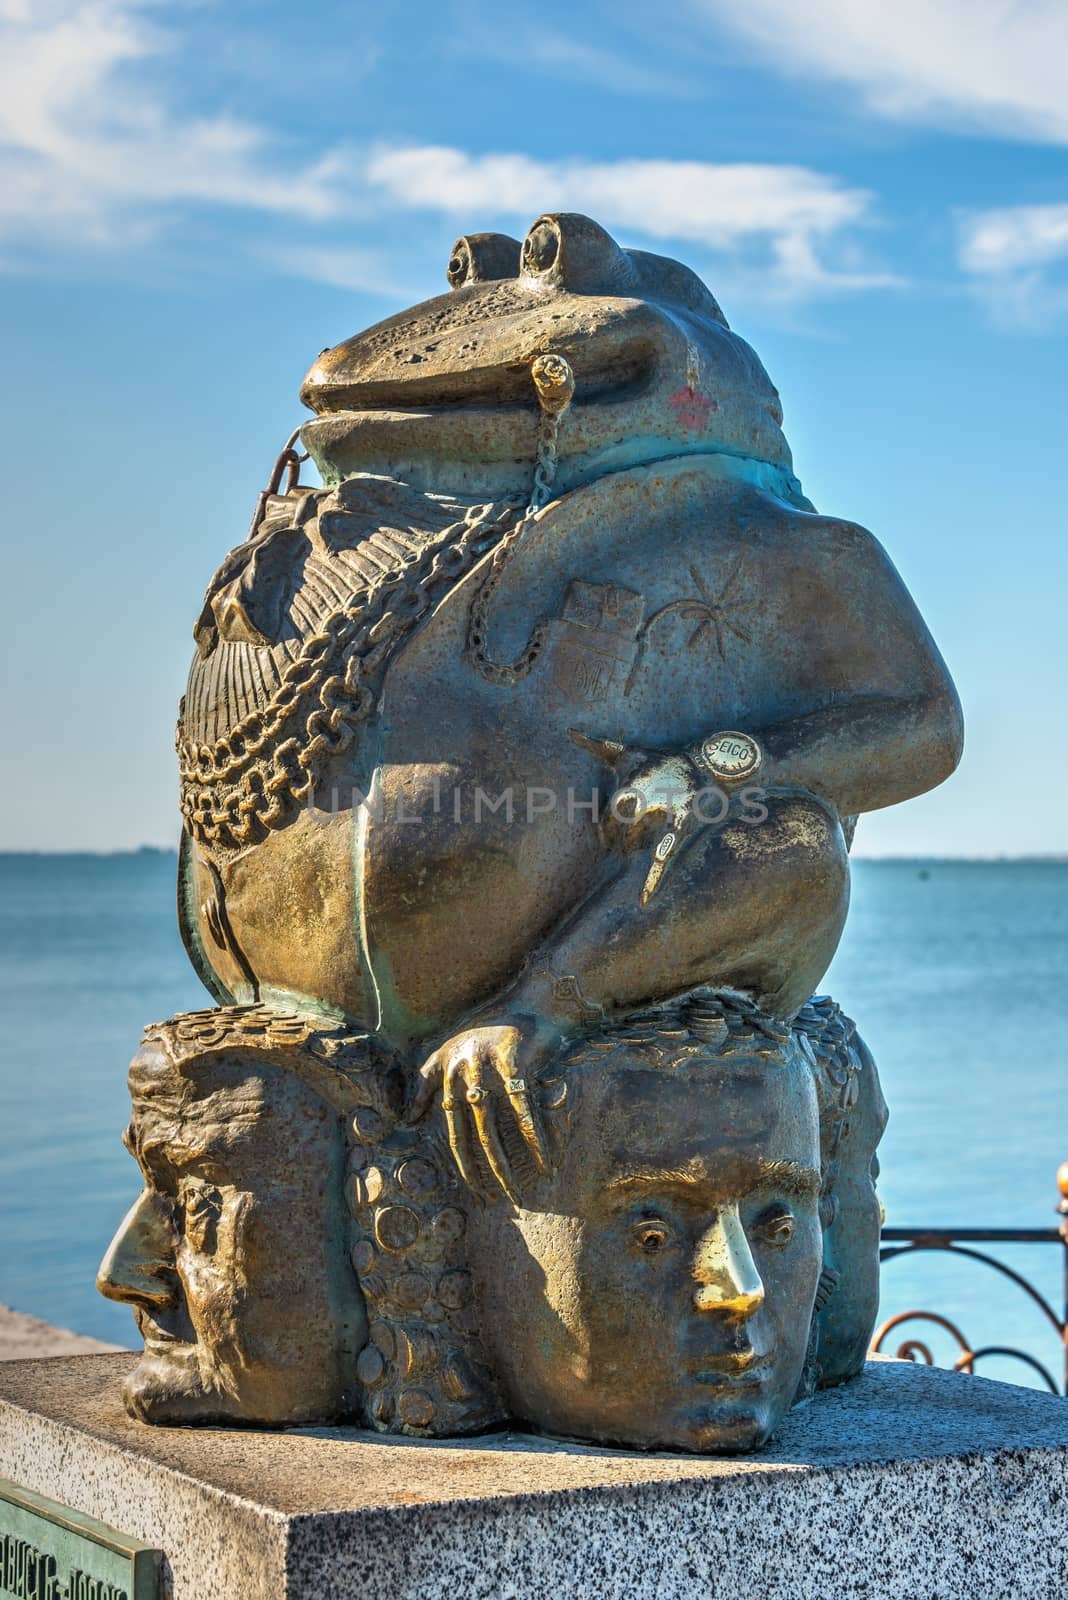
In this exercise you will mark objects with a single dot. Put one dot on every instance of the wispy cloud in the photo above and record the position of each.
(981, 65)
(565, 56)
(786, 213)
(338, 266)
(1014, 238)
(89, 151)
(97, 149)
(1017, 258)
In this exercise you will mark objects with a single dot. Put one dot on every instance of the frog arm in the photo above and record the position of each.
(865, 753)
(886, 722)
(756, 902)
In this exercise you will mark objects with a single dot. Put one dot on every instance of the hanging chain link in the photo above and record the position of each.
(555, 383)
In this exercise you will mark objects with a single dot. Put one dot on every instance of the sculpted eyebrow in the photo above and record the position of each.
(655, 1178)
(792, 1177)
(789, 1176)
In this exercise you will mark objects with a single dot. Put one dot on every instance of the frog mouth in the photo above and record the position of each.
(506, 387)
(438, 360)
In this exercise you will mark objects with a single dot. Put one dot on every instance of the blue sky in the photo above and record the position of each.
(195, 199)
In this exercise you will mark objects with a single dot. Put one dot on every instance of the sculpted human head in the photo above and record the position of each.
(235, 1255)
(853, 1117)
(657, 1288)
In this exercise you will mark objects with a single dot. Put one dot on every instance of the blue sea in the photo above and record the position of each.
(955, 971)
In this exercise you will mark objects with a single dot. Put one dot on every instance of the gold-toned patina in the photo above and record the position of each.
(527, 750)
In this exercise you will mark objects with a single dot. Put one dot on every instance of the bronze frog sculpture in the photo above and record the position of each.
(556, 702)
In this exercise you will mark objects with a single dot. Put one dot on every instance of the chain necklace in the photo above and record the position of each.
(252, 780)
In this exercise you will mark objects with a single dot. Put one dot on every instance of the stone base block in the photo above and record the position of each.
(909, 1484)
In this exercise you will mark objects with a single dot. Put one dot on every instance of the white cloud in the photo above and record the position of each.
(788, 211)
(554, 52)
(87, 149)
(1016, 256)
(97, 150)
(1014, 238)
(982, 65)
(338, 266)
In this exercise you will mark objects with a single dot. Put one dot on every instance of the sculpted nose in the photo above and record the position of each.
(724, 1270)
(572, 252)
(139, 1263)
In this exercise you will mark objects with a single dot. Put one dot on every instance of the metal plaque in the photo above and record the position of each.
(48, 1552)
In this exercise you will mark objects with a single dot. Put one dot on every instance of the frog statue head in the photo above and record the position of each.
(441, 395)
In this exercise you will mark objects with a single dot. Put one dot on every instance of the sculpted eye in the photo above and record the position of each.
(777, 1227)
(202, 1207)
(650, 1235)
(204, 1200)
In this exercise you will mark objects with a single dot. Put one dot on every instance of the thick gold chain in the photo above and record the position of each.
(252, 779)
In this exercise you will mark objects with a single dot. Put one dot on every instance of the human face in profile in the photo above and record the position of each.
(659, 1293)
(233, 1256)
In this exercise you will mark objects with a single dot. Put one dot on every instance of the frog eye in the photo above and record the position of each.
(650, 1235)
(541, 247)
(574, 253)
(459, 264)
(482, 258)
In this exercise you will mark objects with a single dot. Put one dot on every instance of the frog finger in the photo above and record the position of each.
(453, 1103)
(667, 852)
(529, 1125)
(483, 1107)
(428, 1081)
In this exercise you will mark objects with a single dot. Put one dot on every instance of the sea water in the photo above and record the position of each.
(955, 972)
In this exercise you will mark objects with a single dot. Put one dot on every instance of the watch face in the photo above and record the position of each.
(731, 755)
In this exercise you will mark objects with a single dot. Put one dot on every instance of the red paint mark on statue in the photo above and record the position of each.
(692, 407)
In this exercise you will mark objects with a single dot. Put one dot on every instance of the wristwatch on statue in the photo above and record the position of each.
(730, 757)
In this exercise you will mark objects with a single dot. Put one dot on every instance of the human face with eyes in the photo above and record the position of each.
(232, 1256)
(659, 1293)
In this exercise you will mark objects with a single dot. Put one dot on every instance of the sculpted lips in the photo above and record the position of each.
(733, 1369)
(151, 1331)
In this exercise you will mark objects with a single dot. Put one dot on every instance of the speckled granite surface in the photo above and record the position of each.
(910, 1484)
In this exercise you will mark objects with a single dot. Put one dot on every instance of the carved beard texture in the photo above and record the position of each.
(423, 1369)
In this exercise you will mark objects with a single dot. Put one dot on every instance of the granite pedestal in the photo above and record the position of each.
(908, 1484)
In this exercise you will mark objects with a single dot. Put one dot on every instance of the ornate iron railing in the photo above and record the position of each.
(898, 1242)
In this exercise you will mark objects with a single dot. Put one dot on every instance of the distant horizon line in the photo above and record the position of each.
(1036, 857)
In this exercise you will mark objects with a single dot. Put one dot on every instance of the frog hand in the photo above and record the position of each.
(667, 850)
(484, 1075)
